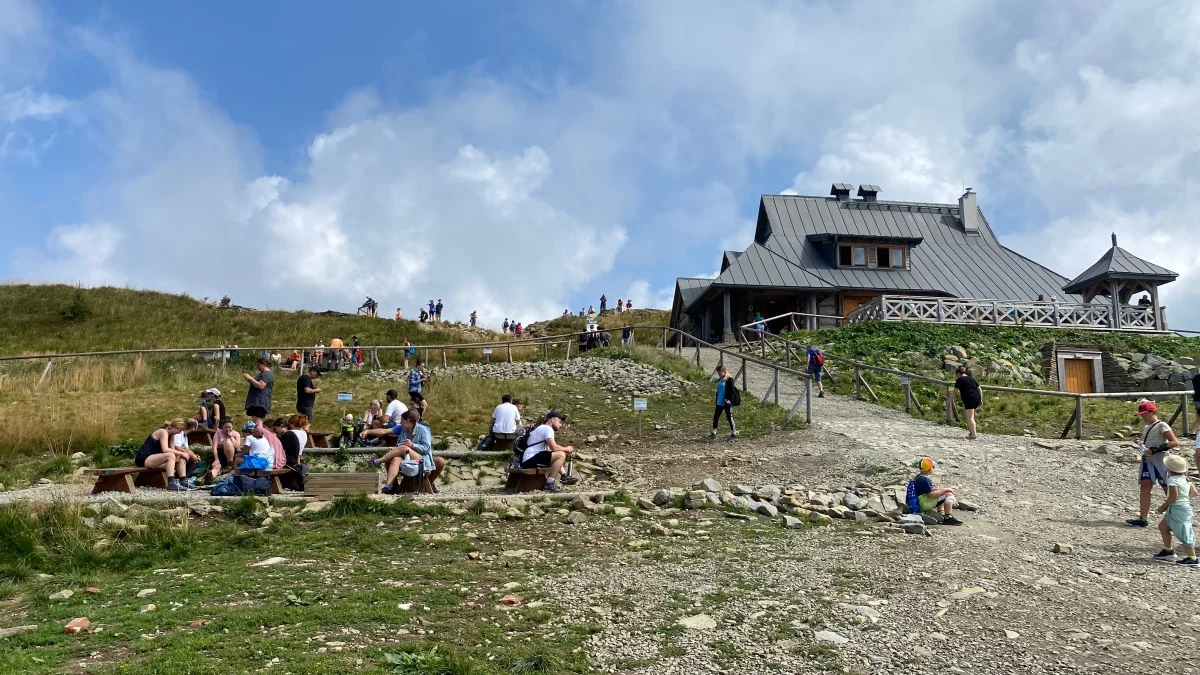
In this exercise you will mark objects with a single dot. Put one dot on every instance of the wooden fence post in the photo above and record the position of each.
(808, 400)
(568, 350)
(776, 385)
(787, 350)
(546, 351)
(857, 383)
(46, 371)
(743, 373)
(1183, 407)
(697, 353)
(443, 357)
(949, 405)
(510, 353)
(907, 395)
(1078, 418)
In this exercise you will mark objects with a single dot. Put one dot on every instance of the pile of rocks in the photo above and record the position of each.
(796, 505)
(1156, 373)
(620, 376)
(1016, 365)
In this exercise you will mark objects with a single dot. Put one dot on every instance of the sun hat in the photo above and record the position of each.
(1175, 464)
(1147, 407)
(926, 464)
(249, 426)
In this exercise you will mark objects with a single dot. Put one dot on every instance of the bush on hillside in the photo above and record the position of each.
(78, 308)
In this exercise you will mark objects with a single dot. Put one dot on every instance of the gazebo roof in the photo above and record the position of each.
(1117, 263)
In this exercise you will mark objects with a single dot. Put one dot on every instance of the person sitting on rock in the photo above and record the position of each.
(542, 451)
(414, 441)
(928, 498)
(1177, 513)
(1155, 443)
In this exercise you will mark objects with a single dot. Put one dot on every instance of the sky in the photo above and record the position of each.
(519, 158)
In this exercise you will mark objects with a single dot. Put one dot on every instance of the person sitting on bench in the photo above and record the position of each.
(542, 450)
(293, 442)
(414, 441)
(157, 453)
(226, 443)
(256, 445)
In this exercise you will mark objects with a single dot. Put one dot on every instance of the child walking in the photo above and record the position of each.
(923, 497)
(727, 398)
(1177, 513)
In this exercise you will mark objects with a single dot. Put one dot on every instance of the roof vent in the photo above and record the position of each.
(841, 191)
(869, 193)
(968, 212)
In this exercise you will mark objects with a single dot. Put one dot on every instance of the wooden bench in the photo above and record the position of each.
(318, 439)
(503, 441)
(526, 480)
(272, 474)
(330, 485)
(413, 485)
(126, 478)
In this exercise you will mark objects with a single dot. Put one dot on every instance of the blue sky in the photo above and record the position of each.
(518, 158)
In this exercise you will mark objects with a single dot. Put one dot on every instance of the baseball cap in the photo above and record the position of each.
(249, 426)
(554, 413)
(213, 390)
(1147, 407)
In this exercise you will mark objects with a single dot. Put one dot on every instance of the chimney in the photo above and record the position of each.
(869, 193)
(1114, 235)
(968, 212)
(841, 191)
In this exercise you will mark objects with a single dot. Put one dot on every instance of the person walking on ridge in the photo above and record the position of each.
(1155, 444)
(727, 398)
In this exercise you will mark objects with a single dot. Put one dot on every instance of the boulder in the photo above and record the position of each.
(709, 485)
(854, 502)
(768, 492)
(577, 518)
(1155, 361)
(662, 498)
(819, 518)
(767, 510)
(913, 528)
(646, 505)
(959, 352)
(793, 523)
(743, 490)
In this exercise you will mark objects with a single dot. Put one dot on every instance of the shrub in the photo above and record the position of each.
(245, 510)
(78, 308)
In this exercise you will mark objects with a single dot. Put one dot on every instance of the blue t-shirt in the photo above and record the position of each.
(923, 485)
(414, 380)
(721, 392)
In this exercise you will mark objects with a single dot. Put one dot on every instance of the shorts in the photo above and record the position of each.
(140, 459)
(540, 460)
(815, 371)
(1153, 469)
(971, 403)
(256, 411)
(928, 502)
(307, 412)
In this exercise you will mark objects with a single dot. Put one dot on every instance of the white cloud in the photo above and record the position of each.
(644, 297)
(79, 254)
(28, 104)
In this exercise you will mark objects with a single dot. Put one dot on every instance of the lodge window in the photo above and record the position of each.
(891, 256)
(852, 256)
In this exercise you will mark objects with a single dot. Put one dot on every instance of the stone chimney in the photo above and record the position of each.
(968, 212)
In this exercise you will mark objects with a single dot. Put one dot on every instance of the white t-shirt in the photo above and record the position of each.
(537, 441)
(508, 418)
(302, 435)
(180, 440)
(394, 410)
(260, 447)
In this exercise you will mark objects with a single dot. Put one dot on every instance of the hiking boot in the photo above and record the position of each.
(1188, 562)
(552, 486)
(388, 489)
(971, 437)
(173, 485)
(712, 435)
(568, 479)
(820, 394)
(1138, 522)
(951, 520)
(1165, 554)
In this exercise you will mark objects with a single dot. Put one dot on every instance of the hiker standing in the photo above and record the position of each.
(620, 305)
(816, 366)
(727, 398)
(1155, 444)
(473, 317)
(399, 314)
(258, 395)
(972, 397)
(504, 326)
(603, 302)
(306, 392)
(437, 310)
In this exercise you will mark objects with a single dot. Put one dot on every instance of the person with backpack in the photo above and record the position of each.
(923, 497)
(727, 398)
(816, 366)
(417, 378)
(539, 450)
(1155, 444)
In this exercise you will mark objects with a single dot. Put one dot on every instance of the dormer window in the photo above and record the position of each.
(891, 256)
(852, 255)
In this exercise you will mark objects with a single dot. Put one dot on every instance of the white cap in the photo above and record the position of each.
(214, 391)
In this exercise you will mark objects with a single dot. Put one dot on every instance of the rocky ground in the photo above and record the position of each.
(680, 590)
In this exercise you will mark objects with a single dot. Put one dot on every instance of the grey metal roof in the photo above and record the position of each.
(946, 260)
(728, 258)
(1117, 263)
(691, 288)
(846, 187)
(863, 189)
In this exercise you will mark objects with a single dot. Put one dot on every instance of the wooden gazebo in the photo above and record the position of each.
(1119, 275)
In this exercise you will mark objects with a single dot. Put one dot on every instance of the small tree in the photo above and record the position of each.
(225, 302)
(78, 308)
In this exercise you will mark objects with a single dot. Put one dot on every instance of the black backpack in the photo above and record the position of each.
(731, 392)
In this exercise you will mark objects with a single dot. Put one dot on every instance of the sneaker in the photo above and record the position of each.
(1138, 522)
(373, 462)
(951, 520)
(568, 480)
(733, 437)
(820, 394)
(389, 489)
(971, 437)
(1188, 562)
(1165, 554)
(712, 434)
(552, 486)
(173, 485)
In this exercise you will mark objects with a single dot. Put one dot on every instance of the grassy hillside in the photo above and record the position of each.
(611, 321)
(32, 321)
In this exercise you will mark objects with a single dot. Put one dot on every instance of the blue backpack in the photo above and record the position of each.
(235, 486)
(911, 502)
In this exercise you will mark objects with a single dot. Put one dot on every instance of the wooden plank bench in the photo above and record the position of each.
(526, 480)
(272, 474)
(318, 439)
(126, 478)
(330, 485)
(503, 441)
(413, 485)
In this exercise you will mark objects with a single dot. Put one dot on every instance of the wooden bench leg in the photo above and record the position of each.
(154, 479)
(276, 486)
(119, 483)
(531, 483)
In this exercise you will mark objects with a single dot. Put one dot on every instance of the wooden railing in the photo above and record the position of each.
(975, 312)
